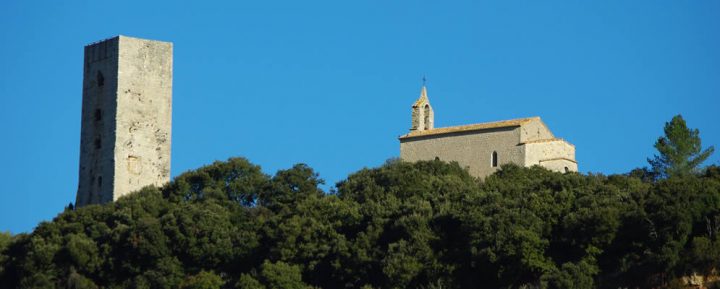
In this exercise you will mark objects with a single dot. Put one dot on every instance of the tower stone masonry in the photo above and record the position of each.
(126, 118)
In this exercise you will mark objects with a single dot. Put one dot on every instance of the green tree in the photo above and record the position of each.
(247, 281)
(426, 224)
(5, 239)
(680, 150)
(281, 275)
(705, 254)
(203, 280)
(573, 276)
(235, 180)
(78, 281)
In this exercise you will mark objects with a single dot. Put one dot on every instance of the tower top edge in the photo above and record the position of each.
(123, 37)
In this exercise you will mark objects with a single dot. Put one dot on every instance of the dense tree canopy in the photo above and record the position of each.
(402, 225)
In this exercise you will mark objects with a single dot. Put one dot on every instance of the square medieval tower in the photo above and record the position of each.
(126, 118)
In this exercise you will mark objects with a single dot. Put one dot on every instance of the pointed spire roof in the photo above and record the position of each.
(423, 98)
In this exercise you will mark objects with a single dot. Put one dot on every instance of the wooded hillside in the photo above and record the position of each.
(402, 225)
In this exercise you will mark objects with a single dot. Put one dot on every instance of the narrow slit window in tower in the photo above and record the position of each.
(427, 117)
(98, 115)
(98, 143)
(494, 160)
(91, 191)
(100, 183)
(100, 79)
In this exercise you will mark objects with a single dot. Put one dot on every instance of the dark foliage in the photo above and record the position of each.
(402, 225)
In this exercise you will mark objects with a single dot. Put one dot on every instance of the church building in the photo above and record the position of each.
(483, 147)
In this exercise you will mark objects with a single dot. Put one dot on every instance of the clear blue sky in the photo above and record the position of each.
(330, 83)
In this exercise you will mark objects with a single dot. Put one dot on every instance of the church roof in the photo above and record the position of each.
(546, 140)
(471, 127)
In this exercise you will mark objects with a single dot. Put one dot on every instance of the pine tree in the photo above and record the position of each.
(680, 150)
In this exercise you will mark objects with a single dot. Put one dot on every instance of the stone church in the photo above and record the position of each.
(484, 147)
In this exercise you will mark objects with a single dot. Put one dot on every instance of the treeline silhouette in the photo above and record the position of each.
(402, 225)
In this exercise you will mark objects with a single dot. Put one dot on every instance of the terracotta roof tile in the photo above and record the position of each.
(471, 127)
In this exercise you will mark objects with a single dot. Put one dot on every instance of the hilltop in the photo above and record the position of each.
(427, 224)
(402, 225)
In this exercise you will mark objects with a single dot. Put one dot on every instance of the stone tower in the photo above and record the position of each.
(422, 113)
(126, 118)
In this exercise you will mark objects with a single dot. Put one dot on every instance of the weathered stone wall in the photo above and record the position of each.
(535, 130)
(559, 165)
(97, 141)
(144, 99)
(418, 119)
(470, 149)
(552, 154)
(126, 121)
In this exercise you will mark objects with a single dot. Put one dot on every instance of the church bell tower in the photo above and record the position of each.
(422, 113)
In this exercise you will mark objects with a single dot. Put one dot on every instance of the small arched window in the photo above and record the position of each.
(567, 170)
(100, 79)
(494, 160)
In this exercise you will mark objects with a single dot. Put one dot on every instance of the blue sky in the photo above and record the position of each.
(330, 83)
